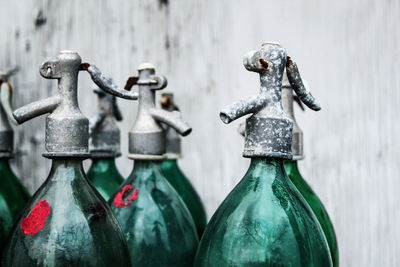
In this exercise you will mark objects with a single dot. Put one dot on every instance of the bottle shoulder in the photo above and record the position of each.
(66, 216)
(263, 219)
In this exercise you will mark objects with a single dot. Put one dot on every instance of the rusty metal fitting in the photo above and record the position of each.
(147, 136)
(172, 138)
(67, 129)
(268, 131)
(287, 103)
(104, 134)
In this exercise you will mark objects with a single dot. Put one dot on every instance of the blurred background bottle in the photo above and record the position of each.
(104, 145)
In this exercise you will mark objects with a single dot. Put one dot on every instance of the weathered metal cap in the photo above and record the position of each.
(67, 129)
(104, 134)
(147, 137)
(287, 103)
(172, 138)
(268, 131)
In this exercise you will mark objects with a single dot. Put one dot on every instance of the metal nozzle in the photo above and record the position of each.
(268, 131)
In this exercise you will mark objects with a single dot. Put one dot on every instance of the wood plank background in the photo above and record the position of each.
(347, 50)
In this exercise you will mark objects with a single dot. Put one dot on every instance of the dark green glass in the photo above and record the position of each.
(158, 227)
(66, 223)
(13, 198)
(104, 176)
(186, 191)
(264, 221)
(316, 205)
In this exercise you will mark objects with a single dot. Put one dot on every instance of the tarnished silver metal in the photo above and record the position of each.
(6, 131)
(172, 138)
(104, 134)
(147, 137)
(67, 129)
(268, 132)
(287, 103)
(107, 85)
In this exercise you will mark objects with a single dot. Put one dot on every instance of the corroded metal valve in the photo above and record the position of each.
(268, 131)
(104, 134)
(172, 138)
(147, 137)
(67, 129)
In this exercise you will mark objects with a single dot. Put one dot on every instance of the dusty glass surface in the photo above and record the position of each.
(159, 228)
(186, 191)
(66, 223)
(316, 205)
(264, 221)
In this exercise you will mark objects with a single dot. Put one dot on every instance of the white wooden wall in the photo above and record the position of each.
(347, 50)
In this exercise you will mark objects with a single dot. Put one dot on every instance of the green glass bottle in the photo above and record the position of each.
(158, 227)
(265, 221)
(174, 174)
(299, 182)
(157, 224)
(317, 207)
(13, 195)
(104, 145)
(13, 198)
(104, 176)
(66, 222)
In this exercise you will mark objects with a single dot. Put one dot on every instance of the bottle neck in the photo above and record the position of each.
(104, 161)
(139, 165)
(266, 169)
(172, 160)
(66, 168)
(291, 168)
(4, 163)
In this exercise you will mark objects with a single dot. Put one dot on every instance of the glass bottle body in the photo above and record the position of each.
(104, 176)
(13, 198)
(66, 223)
(158, 227)
(186, 191)
(264, 221)
(317, 207)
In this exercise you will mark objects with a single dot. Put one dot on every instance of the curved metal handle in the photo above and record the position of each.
(5, 95)
(106, 84)
(172, 119)
(298, 86)
(7, 74)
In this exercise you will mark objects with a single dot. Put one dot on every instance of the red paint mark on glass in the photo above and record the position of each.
(126, 193)
(35, 221)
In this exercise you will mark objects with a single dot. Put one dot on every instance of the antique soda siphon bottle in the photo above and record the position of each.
(66, 222)
(294, 174)
(174, 174)
(104, 146)
(157, 224)
(13, 195)
(265, 221)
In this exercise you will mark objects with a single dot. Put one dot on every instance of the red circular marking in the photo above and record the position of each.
(119, 201)
(35, 221)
